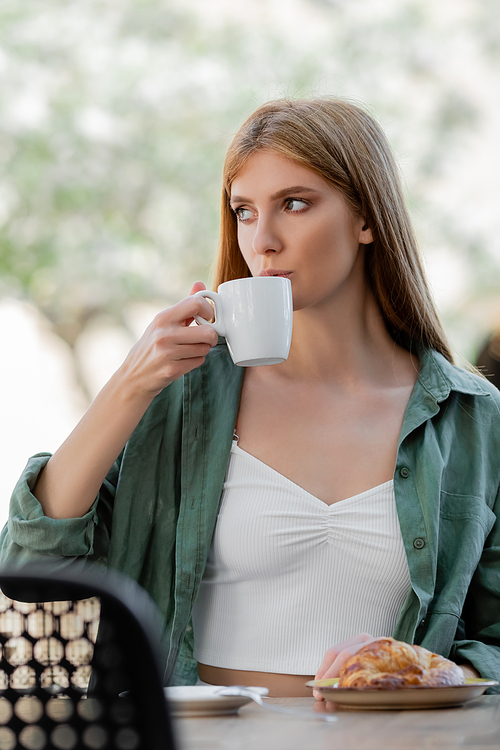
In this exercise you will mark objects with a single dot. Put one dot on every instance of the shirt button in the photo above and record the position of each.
(404, 472)
(418, 543)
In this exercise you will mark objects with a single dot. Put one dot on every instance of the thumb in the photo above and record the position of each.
(197, 287)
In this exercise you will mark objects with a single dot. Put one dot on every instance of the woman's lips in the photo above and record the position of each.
(276, 272)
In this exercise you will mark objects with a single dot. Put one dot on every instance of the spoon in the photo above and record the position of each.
(247, 692)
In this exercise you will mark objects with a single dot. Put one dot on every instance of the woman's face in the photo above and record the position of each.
(293, 223)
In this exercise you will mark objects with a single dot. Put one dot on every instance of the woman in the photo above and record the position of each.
(294, 511)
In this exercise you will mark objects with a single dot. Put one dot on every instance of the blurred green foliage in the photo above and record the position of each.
(115, 115)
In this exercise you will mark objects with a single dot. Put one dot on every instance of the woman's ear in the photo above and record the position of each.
(365, 235)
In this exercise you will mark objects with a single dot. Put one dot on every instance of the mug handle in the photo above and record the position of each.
(218, 324)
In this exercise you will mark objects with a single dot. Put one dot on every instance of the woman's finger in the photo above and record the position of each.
(328, 660)
(336, 665)
(183, 312)
(333, 662)
(198, 286)
(336, 657)
(180, 335)
(356, 640)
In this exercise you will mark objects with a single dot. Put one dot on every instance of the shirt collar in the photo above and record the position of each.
(439, 377)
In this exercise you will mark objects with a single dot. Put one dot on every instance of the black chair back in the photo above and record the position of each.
(82, 663)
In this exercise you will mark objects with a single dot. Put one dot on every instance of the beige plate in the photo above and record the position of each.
(202, 700)
(406, 698)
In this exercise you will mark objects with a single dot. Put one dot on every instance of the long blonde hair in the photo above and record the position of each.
(344, 145)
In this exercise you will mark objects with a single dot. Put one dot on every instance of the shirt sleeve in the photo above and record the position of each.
(30, 535)
(479, 628)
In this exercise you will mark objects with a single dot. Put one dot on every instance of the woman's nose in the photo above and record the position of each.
(266, 239)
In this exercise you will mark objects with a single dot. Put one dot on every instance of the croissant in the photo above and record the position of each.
(387, 664)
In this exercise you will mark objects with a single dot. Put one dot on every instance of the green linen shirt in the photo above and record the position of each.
(155, 514)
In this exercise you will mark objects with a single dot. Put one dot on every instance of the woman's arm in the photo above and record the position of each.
(469, 671)
(169, 348)
(478, 642)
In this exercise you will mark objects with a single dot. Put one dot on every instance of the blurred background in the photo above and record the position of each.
(114, 119)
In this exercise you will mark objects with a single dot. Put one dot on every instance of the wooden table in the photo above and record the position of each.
(474, 726)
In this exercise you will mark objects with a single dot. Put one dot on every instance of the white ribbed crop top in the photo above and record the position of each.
(288, 576)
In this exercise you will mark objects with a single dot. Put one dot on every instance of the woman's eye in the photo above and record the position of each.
(243, 214)
(295, 204)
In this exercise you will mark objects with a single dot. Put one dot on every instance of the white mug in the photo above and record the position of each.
(255, 316)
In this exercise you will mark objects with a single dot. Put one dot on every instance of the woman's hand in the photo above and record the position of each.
(337, 655)
(170, 347)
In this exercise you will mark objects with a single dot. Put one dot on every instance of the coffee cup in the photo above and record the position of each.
(255, 316)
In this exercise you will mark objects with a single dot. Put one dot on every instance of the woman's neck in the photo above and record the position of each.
(348, 344)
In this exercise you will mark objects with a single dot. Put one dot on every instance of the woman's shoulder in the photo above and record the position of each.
(442, 377)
